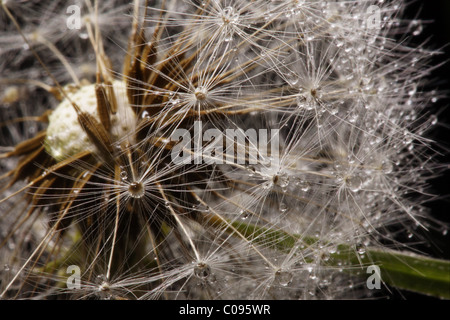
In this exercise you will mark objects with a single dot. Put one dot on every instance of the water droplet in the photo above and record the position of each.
(282, 180)
(244, 214)
(353, 183)
(123, 175)
(353, 117)
(202, 270)
(284, 277)
(292, 78)
(136, 190)
(85, 174)
(412, 91)
(145, 115)
(201, 93)
(283, 207)
(417, 27)
(387, 167)
(101, 278)
(228, 11)
(228, 37)
(83, 35)
(333, 109)
(361, 249)
(304, 185)
(229, 15)
(267, 185)
(433, 119)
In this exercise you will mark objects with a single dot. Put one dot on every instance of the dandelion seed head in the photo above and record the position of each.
(317, 113)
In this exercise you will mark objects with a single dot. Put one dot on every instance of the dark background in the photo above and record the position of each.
(436, 14)
(437, 34)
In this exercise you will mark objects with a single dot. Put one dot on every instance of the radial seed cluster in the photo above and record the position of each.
(300, 125)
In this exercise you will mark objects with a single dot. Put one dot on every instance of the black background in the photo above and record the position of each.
(437, 35)
(436, 32)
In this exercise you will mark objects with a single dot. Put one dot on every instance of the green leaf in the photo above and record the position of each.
(402, 270)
